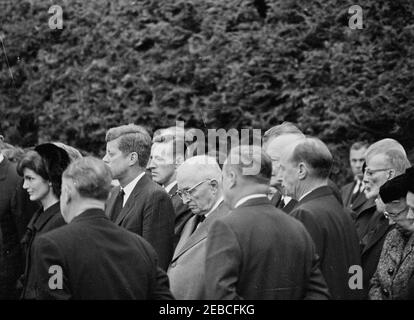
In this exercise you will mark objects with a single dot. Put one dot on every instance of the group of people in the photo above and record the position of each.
(158, 219)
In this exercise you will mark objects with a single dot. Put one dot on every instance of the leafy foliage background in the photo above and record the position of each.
(211, 63)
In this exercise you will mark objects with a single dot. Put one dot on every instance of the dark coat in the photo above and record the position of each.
(42, 222)
(258, 252)
(15, 212)
(395, 268)
(149, 213)
(182, 214)
(335, 237)
(371, 245)
(187, 268)
(358, 203)
(98, 260)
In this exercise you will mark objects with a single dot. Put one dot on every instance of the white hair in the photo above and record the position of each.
(203, 166)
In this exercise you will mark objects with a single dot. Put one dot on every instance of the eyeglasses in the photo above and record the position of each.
(370, 172)
(188, 192)
(395, 215)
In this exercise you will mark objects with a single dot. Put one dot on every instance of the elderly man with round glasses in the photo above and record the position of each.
(199, 186)
(396, 264)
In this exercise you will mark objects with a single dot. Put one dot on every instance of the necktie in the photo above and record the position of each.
(281, 204)
(119, 202)
(199, 219)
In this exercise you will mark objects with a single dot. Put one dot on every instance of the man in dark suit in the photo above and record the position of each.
(90, 257)
(138, 203)
(274, 141)
(256, 251)
(16, 211)
(385, 159)
(199, 182)
(353, 196)
(305, 167)
(167, 153)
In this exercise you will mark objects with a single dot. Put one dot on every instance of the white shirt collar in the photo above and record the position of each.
(170, 186)
(252, 196)
(286, 199)
(1, 157)
(219, 201)
(130, 186)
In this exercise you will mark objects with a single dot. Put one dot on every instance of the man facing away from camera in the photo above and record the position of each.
(257, 251)
(90, 257)
(305, 168)
(138, 203)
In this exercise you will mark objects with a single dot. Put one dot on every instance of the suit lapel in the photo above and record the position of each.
(129, 205)
(348, 193)
(173, 190)
(111, 202)
(200, 233)
(359, 201)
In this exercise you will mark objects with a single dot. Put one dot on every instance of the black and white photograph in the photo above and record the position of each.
(196, 153)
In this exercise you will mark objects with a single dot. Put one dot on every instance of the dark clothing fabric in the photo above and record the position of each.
(363, 217)
(149, 213)
(258, 252)
(15, 212)
(182, 214)
(42, 222)
(371, 245)
(335, 237)
(97, 260)
(355, 203)
(335, 190)
(395, 268)
(279, 203)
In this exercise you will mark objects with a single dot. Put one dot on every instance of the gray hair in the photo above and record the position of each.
(91, 177)
(252, 162)
(394, 153)
(281, 129)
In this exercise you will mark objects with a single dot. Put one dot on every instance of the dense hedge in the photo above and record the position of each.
(212, 63)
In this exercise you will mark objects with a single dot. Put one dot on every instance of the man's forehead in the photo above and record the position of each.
(376, 160)
(358, 153)
(161, 149)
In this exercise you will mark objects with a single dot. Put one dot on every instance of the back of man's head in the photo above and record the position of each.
(91, 178)
(133, 138)
(251, 162)
(313, 152)
(281, 129)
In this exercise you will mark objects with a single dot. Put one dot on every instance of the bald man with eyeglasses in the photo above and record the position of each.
(199, 187)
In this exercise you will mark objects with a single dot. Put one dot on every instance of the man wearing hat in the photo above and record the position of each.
(396, 264)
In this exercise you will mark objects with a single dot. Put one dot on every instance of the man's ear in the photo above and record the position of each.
(302, 171)
(1, 138)
(133, 158)
(391, 174)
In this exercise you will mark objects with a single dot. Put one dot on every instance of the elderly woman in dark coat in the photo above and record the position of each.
(391, 280)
